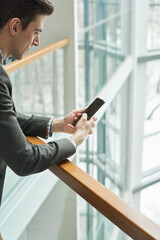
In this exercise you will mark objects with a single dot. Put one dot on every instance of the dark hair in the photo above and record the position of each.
(25, 10)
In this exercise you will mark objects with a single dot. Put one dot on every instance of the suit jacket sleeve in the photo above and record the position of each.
(33, 125)
(22, 157)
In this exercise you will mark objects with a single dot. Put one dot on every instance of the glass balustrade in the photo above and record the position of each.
(94, 226)
(38, 88)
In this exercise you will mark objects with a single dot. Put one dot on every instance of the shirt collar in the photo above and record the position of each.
(1, 57)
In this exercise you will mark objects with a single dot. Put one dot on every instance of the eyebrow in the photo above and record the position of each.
(38, 30)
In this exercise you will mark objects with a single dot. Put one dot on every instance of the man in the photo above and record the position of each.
(21, 21)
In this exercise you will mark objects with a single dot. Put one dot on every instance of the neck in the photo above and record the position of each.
(4, 44)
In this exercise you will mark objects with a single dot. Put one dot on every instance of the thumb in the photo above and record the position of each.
(84, 115)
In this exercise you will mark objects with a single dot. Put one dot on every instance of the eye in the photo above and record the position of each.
(36, 33)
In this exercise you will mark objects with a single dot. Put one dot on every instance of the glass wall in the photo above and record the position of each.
(151, 154)
(104, 44)
(153, 26)
(101, 158)
(151, 196)
(104, 34)
(104, 41)
(152, 116)
(151, 151)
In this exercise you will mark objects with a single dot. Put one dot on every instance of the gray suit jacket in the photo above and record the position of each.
(22, 157)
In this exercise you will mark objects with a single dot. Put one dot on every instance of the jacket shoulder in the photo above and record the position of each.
(4, 78)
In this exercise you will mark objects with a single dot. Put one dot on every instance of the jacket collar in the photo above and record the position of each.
(1, 57)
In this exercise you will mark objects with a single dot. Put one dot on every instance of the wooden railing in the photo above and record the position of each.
(11, 67)
(128, 219)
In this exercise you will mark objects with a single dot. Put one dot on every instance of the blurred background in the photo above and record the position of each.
(114, 54)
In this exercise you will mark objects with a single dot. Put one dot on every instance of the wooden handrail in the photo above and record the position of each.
(128, 219)
(11, 67)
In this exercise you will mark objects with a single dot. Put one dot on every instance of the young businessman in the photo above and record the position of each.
(21, 22)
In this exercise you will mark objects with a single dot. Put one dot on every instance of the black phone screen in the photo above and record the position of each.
(91, 110)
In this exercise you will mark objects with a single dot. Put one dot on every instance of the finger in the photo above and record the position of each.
(77, 115)
(80, 111)
(74, 118)
(94, 118)
(90, 132)
(84, 115)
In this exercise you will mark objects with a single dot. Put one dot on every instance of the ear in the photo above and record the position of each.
(15, 26)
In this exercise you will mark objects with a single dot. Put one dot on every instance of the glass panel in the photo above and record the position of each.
(107, 8)
(43, 83)
(149, 203)
(94, 226)
(149, 197)
(44, 89)
(151, 155)
(103, 45)
(104, 36)
(153, 26)
(96, 10)
(103, 149)
(101, 158)
(12, 181)
(128, 3)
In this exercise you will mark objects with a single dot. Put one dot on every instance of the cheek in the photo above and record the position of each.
(28, 39)
(28, 45)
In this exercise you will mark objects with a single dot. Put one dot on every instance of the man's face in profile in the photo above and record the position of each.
(25, 39)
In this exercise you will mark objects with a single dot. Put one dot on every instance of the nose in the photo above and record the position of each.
(36, 41)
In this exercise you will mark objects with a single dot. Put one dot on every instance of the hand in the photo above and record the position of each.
(65, 124)
(83, 128)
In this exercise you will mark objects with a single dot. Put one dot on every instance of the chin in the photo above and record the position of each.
(20, 57)
(17, 57)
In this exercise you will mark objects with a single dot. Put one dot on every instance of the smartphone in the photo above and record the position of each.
(91, 110)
